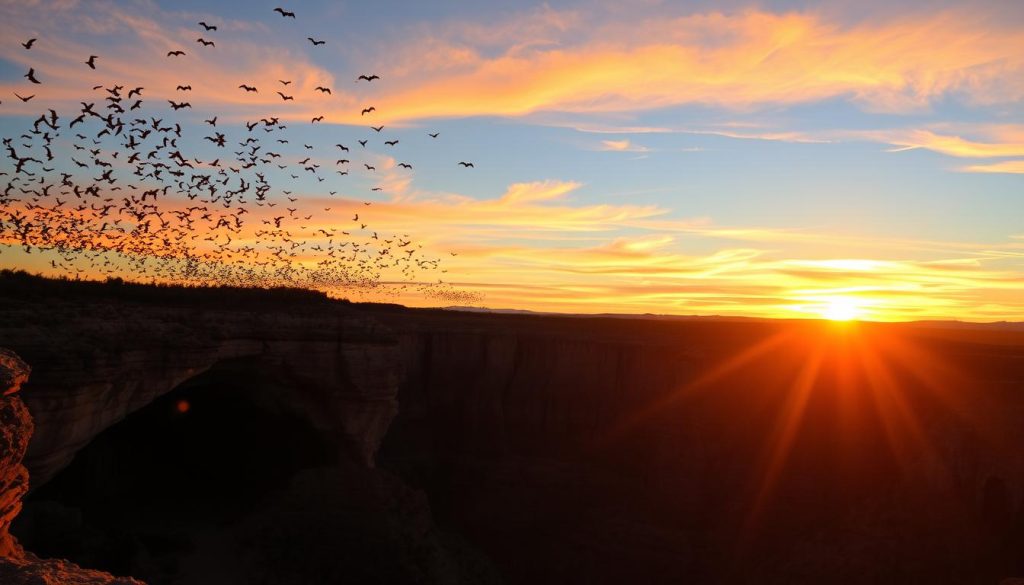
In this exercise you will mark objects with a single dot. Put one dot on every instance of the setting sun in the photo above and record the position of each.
(842, 309)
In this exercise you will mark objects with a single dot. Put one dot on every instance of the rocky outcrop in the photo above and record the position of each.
(15, 431)
(18, 567)
(27, 569)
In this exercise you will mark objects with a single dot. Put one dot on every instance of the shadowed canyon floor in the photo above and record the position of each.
(184, 439)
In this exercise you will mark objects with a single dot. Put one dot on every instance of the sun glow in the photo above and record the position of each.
(842, 309)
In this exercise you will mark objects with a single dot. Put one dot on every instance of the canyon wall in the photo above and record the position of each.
(605, 450)
(495, 384)
(96, 363)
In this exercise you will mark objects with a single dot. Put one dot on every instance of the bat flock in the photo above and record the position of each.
(128, 200)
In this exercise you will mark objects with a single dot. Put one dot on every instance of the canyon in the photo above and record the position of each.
(327, 441)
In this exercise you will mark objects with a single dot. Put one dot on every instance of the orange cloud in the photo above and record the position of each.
(548, 60)
(950, 145)
(733, 60)
(622, 146)
(1009, 166)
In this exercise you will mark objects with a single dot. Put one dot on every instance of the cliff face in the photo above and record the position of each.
(582, 388)
(15, 431)
(18, 567)
(96, 363)
(523, 393)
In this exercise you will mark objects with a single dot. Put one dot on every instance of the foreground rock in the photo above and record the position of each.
(15, 431)
(18, 567)
(27, 569)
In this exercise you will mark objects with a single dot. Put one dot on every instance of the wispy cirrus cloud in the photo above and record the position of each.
(994, 140)
(953, 145)
(736, 60)
(1014, 167)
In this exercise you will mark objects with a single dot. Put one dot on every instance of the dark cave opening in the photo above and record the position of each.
(152, 489)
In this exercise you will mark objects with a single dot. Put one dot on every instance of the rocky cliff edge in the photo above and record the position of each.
(18, 567)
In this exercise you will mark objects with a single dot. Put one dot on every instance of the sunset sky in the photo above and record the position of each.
(779, 159)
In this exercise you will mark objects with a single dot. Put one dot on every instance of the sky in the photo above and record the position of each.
(769, 159)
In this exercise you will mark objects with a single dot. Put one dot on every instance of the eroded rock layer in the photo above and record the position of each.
(18, 567)
(15, 432)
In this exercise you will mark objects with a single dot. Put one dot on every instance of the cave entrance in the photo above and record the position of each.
(153, 488)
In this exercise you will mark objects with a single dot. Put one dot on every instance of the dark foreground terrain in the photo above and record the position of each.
(280, 437)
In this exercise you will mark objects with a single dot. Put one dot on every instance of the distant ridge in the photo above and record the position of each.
(938, 323)
(503, 311)
(1004, 325)
(651, 316)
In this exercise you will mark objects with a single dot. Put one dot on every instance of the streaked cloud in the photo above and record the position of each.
(1009, 166)
(736, 60)
(950, 144)
(624, 145)
(548, 60)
